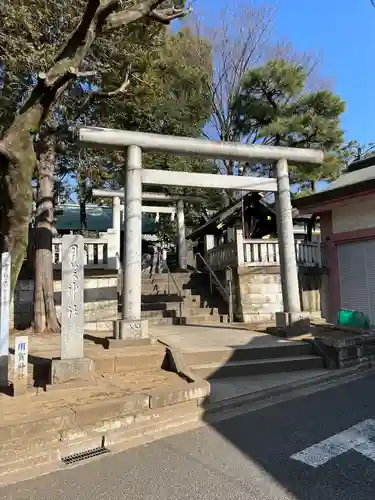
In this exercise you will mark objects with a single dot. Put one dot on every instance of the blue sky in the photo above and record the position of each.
(343, 31)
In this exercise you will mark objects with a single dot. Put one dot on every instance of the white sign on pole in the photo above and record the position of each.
(356, 438)
(21, 352)
(5, 277)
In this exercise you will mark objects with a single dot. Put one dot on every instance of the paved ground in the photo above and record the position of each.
(233, 387)
(191, 337)
(246, 457)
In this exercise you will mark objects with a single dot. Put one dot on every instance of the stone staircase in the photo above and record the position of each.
(184, 299)
(246, 360)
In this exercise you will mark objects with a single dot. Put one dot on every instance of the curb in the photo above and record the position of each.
(263, 395)
(72, 429)
(123, 433)
(174, 361)
(134, 426)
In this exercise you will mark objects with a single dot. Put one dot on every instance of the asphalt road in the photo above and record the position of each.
(246, 457)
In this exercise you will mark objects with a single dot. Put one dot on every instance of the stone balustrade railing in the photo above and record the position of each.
(223, 255)
(254, 252)
(266, 253)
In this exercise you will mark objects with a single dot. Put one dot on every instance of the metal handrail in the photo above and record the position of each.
(230, 292)
(170, 275)
(213, 275)
(227, 295)
(180, 294)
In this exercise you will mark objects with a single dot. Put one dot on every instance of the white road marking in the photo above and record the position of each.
(357, 438)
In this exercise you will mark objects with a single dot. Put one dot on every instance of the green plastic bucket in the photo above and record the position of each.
(353, 318)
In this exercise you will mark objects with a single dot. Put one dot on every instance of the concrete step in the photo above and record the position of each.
(164, 280)
(187, 306)
(149, 288)
(190, 320)
(181, 309)
(258, 366)
(193, 311)
(152, 314)
(161, 306)
(165, 276)
(246, 353)
(129, 359)
(201, 286)
(173, 297)
(164, 290)
(160, 321)
(176, 311)
(176, 299)
(151, 291)
(204, 319)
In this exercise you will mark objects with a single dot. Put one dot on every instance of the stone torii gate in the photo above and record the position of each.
(131, 327)
(179, 201)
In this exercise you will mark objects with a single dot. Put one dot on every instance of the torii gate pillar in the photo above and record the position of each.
(131, 327)
(181, 236)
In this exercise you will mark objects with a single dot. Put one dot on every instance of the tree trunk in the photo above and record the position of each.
(17, 155)
(17, 162)
(45, 318)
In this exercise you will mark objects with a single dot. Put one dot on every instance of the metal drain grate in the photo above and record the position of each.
(84, 455)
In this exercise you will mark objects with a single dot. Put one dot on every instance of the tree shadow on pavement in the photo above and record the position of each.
(271, 430)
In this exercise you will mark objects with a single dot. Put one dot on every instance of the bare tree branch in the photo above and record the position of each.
(167, 15)
(84, 74)
(126, 16)
(237, 45)
(120, 90)
(105, 94)
(146, 8)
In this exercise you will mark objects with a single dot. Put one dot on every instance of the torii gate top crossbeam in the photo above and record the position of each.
(188, 146)
(146, 196)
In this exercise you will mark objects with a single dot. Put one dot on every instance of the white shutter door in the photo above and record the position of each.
(353, 277)
(370, 269)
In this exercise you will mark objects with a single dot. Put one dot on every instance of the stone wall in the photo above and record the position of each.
(100, 297)
(313, 283)
(259, 294)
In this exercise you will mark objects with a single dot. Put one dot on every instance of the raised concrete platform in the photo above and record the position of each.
(133, 390)
(63, 370)
(211, 337)
(131, 401)
(221, 351)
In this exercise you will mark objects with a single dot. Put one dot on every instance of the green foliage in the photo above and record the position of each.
(275, 109)
(168, 97)
(31, 33)
(166, 228)
(168, 76)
